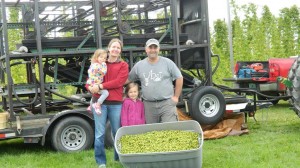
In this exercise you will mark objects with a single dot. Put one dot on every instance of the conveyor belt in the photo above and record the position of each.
(74, 42)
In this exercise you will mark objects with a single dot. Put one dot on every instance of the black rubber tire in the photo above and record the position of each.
(294, 91)
(109, 139)
(207, 105)
(72, 134)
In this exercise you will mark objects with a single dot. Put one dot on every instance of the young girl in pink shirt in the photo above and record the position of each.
(132, 112)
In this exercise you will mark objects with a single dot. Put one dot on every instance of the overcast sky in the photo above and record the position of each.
(218, 8)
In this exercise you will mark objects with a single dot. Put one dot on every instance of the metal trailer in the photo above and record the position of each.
(58, 37)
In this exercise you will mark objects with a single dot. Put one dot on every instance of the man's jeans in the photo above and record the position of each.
(113, 113)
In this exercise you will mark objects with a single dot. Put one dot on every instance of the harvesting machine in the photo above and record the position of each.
(51, 59)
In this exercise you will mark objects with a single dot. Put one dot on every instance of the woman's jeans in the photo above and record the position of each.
(113, 113)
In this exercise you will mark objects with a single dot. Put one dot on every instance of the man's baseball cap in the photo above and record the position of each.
(151, 42)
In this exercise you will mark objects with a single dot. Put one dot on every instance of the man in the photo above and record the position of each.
(156, 74)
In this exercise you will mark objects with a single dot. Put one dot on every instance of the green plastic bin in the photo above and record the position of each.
(176, 159)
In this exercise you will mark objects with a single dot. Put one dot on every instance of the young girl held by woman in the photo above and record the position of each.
(96, 73)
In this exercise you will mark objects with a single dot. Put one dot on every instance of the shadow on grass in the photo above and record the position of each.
(18, 147)
(282, 105)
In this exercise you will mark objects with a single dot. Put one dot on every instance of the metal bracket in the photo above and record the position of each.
(19, 128)
(85, 40)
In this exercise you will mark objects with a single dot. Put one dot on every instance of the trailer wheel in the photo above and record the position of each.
(207, 105)
(294, 91)
(72, 134)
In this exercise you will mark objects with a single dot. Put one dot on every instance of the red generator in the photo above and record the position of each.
(262, 76)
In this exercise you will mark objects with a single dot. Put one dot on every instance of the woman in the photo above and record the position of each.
(117, 74)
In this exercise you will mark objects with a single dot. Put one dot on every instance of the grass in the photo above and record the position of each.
(14, 153)
(273, 141)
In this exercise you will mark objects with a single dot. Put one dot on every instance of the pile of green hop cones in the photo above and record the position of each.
(159, 141)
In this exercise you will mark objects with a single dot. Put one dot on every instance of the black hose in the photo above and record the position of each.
(218, 63)
(36, 88)
(206, 76)
(193, 73)
(214, 70)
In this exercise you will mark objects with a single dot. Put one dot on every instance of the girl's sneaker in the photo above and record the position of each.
(97, 108)
(89, 109)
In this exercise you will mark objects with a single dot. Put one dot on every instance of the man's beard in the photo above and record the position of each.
(152, 55)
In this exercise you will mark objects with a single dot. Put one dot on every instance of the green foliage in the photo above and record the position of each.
(267, 26)
(220, 46)
(239, 39)
(18, 74)
(14, 35)
(276, 49)
(221, 36)
(285, 24)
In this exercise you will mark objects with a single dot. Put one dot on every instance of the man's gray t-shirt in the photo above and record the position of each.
(156, 79)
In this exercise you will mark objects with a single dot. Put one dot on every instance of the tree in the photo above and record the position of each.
(287, 32)
(295, 17)
(221, 36)
(254, 35)
(266, 26)
(220, 45)
(14, 35)
(240, 45)
(257, 38)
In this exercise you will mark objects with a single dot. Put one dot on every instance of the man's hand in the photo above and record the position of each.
(175, 99)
